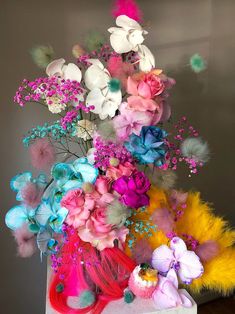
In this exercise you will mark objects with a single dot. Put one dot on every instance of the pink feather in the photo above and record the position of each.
(42, 154)
(32, 194)
(119, 69)
(128, 8)
(142, 252)
(26, 241)
(163, 219)
(207, 250)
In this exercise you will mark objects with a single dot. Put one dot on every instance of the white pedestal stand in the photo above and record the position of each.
(138, 306)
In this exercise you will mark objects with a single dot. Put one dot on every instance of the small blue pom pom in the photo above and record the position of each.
(114, 85)
(128, 296)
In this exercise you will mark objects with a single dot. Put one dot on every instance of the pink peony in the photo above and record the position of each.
(125, 169)
(132, 189)
(130, 121)
(79, 207)
(26, 241)
(42, 154)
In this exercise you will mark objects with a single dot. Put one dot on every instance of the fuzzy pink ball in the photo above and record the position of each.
(32, 195)
(26, 241)
(207, 250)
(164, 220)
(142, 252)
(42, 154)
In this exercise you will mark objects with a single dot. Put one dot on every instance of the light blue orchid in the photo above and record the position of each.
(45, 242)
(52, 216)
(19, 182)
(72, 176)
(17, 216)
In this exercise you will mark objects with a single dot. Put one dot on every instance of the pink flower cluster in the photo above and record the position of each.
(106, 150)
(146, 104)
(87, 213)
(46, 87)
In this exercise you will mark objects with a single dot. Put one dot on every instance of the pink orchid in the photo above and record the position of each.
(186, 263)
(167, 295)
(130, 121)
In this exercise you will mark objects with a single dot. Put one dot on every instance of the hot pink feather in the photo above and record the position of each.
(127, 7)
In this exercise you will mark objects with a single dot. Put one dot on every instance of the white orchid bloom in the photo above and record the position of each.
(66, 71)
(146, 59)
(105, 101)
(128, 36)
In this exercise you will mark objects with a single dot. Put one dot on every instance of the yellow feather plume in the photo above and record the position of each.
(199, 222)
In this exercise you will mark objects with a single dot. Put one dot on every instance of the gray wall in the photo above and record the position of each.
(179, 28)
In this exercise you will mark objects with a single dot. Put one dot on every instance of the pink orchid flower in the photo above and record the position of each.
(186, 263)
(130, 121)
(167, 295)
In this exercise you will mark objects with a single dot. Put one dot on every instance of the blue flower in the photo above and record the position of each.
(72, 176)
(149, 146)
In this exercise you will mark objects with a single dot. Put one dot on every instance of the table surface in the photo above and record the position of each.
(220, 306)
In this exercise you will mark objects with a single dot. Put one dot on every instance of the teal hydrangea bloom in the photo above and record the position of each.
(197, 63)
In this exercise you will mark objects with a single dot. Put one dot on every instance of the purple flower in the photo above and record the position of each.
(132, 189)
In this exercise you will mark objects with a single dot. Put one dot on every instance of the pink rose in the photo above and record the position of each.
(125, 169)
(79, 207)
(99, 233)
(152, 84)
(141, 96)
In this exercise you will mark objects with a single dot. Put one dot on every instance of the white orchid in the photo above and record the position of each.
(128, 36)
(146, 59)
(105, 101)
(66, 71)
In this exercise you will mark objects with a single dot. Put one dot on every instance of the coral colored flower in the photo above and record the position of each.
(125, 169)
(42, 154)
(141, 98)
(132, 189)
(129, 121)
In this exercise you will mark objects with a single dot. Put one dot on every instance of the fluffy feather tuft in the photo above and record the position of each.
(195, 148)
(25, 241)
(107, 131)
(42, 55)
(163, 179)
(117, 213)
(42, 154)
(127, 7)
(119, 69)
(207, 250)
(32, 194)
(164, 220)
(142, 252)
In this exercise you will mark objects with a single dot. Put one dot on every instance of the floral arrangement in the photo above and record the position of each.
(103, 205)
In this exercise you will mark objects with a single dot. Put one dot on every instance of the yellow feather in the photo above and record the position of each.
(200, 222)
